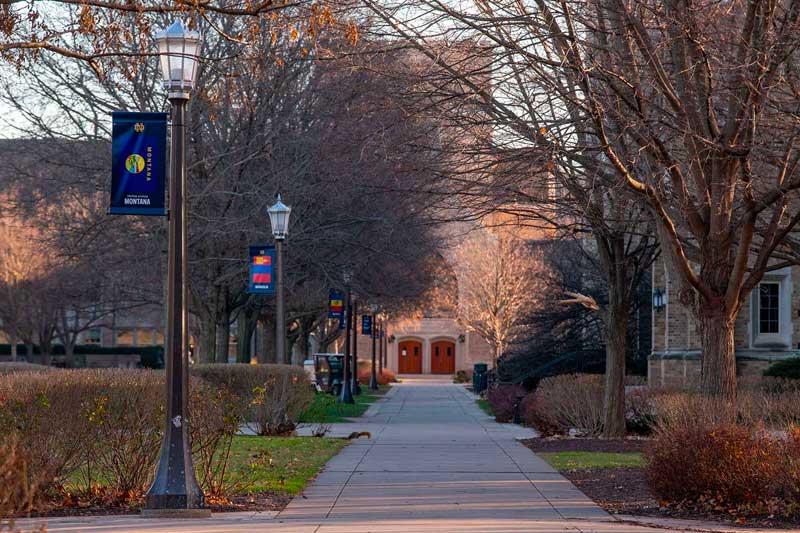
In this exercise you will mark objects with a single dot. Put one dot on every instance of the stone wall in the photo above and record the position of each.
(680, 371)
(676, 336)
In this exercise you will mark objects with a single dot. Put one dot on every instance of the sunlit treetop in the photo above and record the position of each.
(103, 32)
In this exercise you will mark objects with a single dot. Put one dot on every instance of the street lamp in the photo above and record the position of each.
(279, 219)
(355, 388)
(347, 394)
(175, 491)
(373, 380)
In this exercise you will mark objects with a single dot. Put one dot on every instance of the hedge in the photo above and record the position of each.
(271, 396)
(788, 369)
(152, 356)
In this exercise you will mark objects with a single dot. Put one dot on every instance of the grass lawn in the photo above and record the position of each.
(326, 409)
(265, 464)
(281, 464)
(485, 406)
(573, 461)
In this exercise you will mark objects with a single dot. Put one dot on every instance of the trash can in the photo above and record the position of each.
(479, 377)
(336, 373)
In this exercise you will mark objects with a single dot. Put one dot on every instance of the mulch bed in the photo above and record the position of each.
(270, 501)
(625, 490)
(554, 444)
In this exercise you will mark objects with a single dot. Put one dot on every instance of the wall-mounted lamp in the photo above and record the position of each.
(462, 338)
(659, 298)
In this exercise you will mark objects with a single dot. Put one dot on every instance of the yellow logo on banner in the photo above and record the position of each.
(138, 127)
(134, 163)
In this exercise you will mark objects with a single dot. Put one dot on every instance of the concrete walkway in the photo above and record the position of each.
(435, 463)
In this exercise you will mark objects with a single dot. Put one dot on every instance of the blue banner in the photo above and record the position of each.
(138, 163)
(262, 271)
(366, 324)
(336, 304)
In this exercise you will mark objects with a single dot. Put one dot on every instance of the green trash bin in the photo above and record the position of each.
(479, 375)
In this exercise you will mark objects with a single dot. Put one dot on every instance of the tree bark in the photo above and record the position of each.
(245, 327)
(614, 390)
(208, 340)
(266, 349)
(718, 362)
(223, 338)
(13, 350)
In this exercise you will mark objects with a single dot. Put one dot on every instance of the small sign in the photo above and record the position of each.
(336, 304)
(262, 272)
(138, 163)
(366, 324)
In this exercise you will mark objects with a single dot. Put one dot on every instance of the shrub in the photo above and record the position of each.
(463, 376)
(216, 415)
(788, 369)
(531, 418)
(43, 412)
(272, 396)
(570, 401)
(101, 430)
(125, 416)
(725, 468)
(10, 368)
(18, 485)
(384, 378)
(632, 380)
(239, 379)
(772, 402)
(640, 410)
(285, 396)
(724, 462)
(503, 398)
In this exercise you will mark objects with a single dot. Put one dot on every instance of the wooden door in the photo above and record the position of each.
(409, 357)
(443, 357)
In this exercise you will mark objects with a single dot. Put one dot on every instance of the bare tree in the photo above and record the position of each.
(106, 35)
(517, 154)
(692, 108)
(501, 283)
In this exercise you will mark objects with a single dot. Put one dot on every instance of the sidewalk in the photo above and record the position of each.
(435, 463)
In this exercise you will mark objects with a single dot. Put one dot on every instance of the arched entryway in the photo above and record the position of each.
(409, 357)
(443, 357)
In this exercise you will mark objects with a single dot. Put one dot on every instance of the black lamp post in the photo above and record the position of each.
(380, 346)
(355, 387)
(373, 379)
(279, 219)
(175, 491)
(346, 394)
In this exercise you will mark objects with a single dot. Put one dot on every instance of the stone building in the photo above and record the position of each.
(767, 328)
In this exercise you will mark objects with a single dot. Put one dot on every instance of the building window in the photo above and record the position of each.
(144, 337)
(93, 336)
(771, 311)
(769, 307)
(124, 337)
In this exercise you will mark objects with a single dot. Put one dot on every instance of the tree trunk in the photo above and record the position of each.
(614, 390)
(718, 359)
(208, 340)
(69, 352)
(266, 349)
(13, 350)
(223, 338)
(245, 327)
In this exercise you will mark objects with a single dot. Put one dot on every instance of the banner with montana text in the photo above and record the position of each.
(138, 163)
